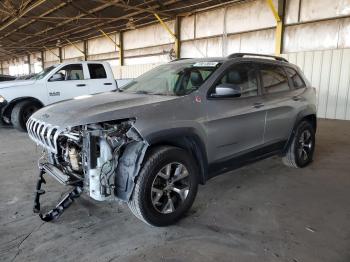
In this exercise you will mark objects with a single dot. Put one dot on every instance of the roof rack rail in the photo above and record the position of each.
(236, 55)
(179, 59)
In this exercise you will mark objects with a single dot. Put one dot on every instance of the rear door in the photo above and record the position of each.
(235, 125)
(99, 80)
(279, 102)
(72, 83)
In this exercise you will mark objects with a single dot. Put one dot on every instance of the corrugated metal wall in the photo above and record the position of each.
(131, 71)
(329, 73)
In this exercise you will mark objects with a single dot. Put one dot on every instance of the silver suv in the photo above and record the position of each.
(151, 143)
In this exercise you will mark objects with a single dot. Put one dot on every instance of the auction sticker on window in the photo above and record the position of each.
(206, 64)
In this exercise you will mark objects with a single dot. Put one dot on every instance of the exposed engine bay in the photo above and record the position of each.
(101, 160)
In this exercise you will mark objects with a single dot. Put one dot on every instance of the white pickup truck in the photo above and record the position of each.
(20, 99)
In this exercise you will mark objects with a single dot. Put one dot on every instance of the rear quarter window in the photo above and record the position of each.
(274, 79)
(296, 79)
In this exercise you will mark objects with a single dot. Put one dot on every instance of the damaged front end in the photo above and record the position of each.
(100, 159)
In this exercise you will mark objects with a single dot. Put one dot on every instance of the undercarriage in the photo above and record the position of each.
(101, 160)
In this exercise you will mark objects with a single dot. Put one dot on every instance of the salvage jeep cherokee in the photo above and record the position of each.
(151, 143)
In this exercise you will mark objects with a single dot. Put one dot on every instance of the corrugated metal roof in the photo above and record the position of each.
(29, 25)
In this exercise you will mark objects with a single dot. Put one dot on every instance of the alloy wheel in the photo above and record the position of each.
(305, 145)
(170, 188)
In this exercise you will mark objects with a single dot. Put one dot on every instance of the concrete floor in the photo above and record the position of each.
(262, 212)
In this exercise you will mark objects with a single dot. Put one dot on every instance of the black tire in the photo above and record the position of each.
(21, 113)
(141, 203)
(300, 154)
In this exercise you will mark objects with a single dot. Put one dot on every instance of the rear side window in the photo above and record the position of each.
(274, 79)
(97, 71)
(297, 81)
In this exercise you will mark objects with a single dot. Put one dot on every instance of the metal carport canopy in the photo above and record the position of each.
(37, 25)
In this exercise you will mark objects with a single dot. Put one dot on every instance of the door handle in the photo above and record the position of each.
(107, 84)
(296, 98)
(258, 105)
(81, 85)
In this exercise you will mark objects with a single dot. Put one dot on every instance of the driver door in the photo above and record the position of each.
(235, 124)
(66, 83)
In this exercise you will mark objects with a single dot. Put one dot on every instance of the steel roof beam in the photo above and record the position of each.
(144, 9)
(99, 8)
(13, 20)
(93, 25)
(34, 20)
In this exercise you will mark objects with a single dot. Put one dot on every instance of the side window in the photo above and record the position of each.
(274, 79)
(241, 77)
(297, 81)
(69, 72)
(97, 71)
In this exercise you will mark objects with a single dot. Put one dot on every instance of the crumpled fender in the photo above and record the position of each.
(128, 169)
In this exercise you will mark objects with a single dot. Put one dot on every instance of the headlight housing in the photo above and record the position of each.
(2, 99)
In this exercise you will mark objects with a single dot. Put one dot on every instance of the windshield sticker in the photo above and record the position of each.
(206, 64)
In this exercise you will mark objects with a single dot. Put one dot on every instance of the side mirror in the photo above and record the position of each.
(227, 90)
(57, 77)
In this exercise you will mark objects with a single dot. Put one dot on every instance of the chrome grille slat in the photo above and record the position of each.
(41, 133)
(35, 129)
(30, 126)
(48, 135)
(38, 133)
(55, 140)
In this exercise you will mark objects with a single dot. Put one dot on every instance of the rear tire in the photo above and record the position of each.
(166, 186)
(21, 113)
(301, 150)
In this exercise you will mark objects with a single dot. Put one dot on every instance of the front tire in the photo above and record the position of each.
(166, 186)
(21, 113)
(301, 150)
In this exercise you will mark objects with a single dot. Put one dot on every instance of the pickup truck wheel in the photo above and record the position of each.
(301, 150)
(21, 113)
(166, 186)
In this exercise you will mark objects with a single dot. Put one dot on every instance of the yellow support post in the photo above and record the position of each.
(42, 60)
(274, 10)
(166, 27)
(120, 45)
(175, 36)
(52, 52)
(76, 47)
(121, 48)
(110, 38)
(279, 38)
(177, 39)
(60, 54)
(279, 28)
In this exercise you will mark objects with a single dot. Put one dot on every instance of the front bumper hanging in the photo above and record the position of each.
(66, 201)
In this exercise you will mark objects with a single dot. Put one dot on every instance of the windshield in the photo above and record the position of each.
(43, 73)
(174, 79)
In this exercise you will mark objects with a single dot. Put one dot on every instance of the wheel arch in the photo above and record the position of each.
(8, 109)
(187, 139)
(305, 115)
